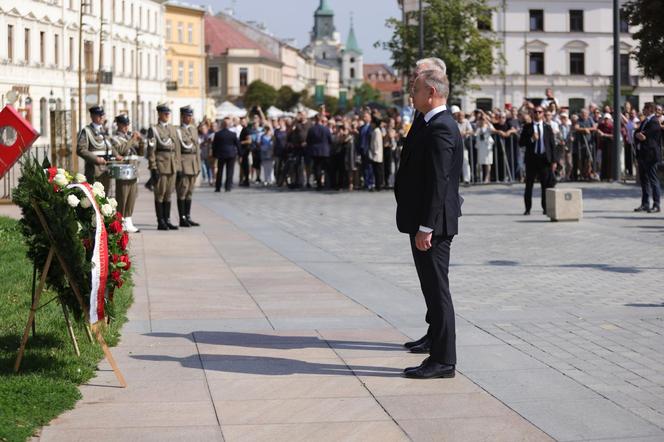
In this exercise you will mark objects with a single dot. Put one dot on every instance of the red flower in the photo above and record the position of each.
(125, 259)
(52, 172)
(56, 189)
(115, 227)
(115, 276)
(87, 243)
(123, 241)
(118, 216)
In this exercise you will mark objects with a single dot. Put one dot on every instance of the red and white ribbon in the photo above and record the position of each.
(99, 271)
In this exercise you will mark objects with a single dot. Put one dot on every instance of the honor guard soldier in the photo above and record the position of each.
(164, 163)
(190, 162)
(96, 149)
(126, 144)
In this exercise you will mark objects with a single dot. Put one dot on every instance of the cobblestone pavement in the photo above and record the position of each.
(563, 322)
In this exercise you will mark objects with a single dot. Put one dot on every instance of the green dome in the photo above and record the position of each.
(324, 9)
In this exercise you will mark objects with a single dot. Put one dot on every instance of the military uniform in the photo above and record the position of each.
(190, 167)
(93, 143)
(164, 163)
(126, 191)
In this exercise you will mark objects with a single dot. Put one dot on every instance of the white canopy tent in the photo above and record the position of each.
(228, 109)
(275, 112)
(302, 108)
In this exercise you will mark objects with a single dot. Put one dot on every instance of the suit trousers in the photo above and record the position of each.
(164, 188)
(649, 183)
(432, 269)
(537, 167)
(320, 167)
(229, 165)
(185, 186)
(126, 192)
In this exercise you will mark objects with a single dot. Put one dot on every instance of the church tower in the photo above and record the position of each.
(352, 71)
(323, 22)
(325, 45)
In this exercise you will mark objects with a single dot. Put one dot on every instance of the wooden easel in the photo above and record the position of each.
(94, 328)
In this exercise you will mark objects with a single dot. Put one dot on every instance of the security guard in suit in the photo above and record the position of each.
(164, 163)
(190, 165)
(126, 191)
(95, 147)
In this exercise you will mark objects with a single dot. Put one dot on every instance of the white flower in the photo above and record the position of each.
(98, 189)
(80, 227)
(80, 178)
(61, 171)
(107, 210)
(94, 220)
(113, 202)
(73, 200)
(60, 180)
(85, 203)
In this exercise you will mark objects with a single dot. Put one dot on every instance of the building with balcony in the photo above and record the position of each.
(39, 57)
(184, 38)
(565, 45)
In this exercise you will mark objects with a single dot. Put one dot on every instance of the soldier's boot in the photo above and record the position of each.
(167, 216)
(182, 214)
(159, 209)
(187, 210)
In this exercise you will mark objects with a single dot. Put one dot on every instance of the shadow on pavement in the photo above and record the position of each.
(259, 340)
(270, 366)
(645, 305)
(603, 267)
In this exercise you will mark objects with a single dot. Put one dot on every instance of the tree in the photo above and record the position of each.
(287, 98)
(367, 94)
(331, 104)
(649, 15)
(259, 94)
(450, 33)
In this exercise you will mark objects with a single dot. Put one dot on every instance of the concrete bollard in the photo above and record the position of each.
(564, 204)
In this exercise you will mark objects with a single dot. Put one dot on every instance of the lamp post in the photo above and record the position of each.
(421, 21)
(616, 91)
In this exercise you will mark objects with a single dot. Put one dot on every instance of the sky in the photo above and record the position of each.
(295, 19)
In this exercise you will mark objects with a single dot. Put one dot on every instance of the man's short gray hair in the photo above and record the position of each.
(436, 79)
(430, 63)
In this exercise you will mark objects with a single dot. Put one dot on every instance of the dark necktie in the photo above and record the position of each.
(539, 140)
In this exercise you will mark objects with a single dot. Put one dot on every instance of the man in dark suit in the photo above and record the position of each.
(319, 140)
(428, 208)
(540, 160)
(225, 148)
(648, 154)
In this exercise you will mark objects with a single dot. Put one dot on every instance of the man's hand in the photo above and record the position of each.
(554, 166)
(119, 158)
(535, 136)
(640, 136)
(423, 241)
(100, 161)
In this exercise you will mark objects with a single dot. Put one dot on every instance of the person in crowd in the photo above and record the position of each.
(484, 144)
(390, 140)
(95, 147)
(539, 140)
(245, 152)
(584, 131)
(504, 133)
(550, 98)
(375, 154)
(364, 145)
(319, 141)
(564, 148)
(126, 191)
(649, 153)
(605, 147)
(205, 143)
(466, 131)
(257, 130)
(267, 155)
(190, 165)
(225, 148)
(280, 138)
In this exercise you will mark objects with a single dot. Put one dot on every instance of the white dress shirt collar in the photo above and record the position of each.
(436, 110)
(96, 127)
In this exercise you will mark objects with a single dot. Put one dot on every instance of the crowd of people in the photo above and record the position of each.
(362, 150)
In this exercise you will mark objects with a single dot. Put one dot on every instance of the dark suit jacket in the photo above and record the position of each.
(527, 140)
(650, 150)
(427, 182)
(225, 144)
(319, 140)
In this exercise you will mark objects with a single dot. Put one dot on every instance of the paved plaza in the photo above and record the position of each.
(282, 318)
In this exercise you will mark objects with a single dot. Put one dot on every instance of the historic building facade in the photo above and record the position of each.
(184, 37)
(39, 57)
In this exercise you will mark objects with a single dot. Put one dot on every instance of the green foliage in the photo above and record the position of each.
(260, 94)
(649, 16)
(367, 94)
(331, 104)
(287, 98)
(450, 33)
(47, 383)
(34, 185)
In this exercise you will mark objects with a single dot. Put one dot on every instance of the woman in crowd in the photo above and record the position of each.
(266, 143)
(376, 153)
(484, 144)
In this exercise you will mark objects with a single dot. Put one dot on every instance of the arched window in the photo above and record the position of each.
(324, 55)
(352, 72)
(43, 116)
(352, 59)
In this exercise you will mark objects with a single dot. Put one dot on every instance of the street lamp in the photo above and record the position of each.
(421, 12)
(616, 91)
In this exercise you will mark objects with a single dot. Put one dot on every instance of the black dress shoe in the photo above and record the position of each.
(424, 347)
(430, 370)
(411, 344)
(526, 213)
(407, 369)
(642, 209)
(655, 209)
